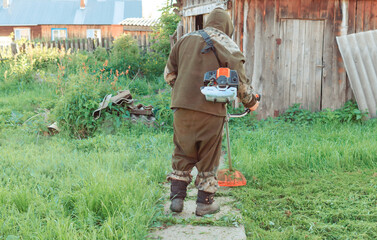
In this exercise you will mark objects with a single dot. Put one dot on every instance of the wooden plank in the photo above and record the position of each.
(360, 16)
(269, 60)
(283, 8)
(300, 63)
(249, 38)
(367, 15)
(294, 61)
(287, 62)
(281, 77)
(351, 29)
(374, 15)
(259, 55)
(319, 64)
(327, 88)
(307, 58)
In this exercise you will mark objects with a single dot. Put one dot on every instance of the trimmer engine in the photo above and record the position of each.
(220, 85)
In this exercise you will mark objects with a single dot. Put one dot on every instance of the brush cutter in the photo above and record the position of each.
(221, 86)
(230, 177)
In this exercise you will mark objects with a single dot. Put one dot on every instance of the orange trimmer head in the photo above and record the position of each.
(227, 178)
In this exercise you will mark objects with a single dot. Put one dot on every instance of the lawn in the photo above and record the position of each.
(315, 181)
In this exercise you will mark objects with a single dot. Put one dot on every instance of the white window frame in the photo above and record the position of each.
(59, 37)
(90, 33)
(18, 36)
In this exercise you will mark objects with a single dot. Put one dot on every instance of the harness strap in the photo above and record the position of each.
(209, 46)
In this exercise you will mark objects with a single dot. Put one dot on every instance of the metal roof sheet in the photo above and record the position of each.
(145, 22)
(57, 12)
(359, 53)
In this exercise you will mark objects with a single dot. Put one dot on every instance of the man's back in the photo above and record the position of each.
(190, 65)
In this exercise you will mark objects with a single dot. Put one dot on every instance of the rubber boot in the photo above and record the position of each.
(205, 204)
(177, 195)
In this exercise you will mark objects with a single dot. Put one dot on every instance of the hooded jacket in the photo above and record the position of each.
(186, 66)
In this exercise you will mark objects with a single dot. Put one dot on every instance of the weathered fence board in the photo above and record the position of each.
(72, 44)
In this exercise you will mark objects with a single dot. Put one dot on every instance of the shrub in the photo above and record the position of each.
(154, 61)
(101, 54)
(125, 55)
(153, 64)
(74, 110)
(166, 27)
(21, 69)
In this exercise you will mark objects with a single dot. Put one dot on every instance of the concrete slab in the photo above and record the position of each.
(190, 207)
(190, 232)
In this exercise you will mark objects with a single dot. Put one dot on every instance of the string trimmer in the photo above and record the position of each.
(221, 86)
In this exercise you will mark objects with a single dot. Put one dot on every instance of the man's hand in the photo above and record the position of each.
(253, 108)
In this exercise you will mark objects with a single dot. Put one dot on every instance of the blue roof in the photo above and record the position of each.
(67, 12)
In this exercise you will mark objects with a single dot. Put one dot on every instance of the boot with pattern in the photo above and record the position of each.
(205, 204)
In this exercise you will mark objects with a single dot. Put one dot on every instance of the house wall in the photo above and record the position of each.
(79, 31)
(74, 31)
(35, 31)
(285, 52)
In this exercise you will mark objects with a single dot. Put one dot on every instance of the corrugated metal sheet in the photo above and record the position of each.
(359, 53)
(55, 12)
(145, 22)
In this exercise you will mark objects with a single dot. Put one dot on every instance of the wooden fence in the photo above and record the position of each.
(73, 44)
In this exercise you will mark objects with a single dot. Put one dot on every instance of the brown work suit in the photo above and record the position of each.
(198, 123)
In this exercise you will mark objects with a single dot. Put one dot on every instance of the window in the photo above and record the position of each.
(22, 33)
(58, 34)
(93, 33)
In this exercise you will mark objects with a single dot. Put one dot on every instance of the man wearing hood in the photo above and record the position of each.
(198, 124)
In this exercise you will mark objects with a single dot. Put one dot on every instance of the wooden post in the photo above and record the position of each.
(14, 48)
(107, 44)
(90, 45)
(76, 45)
(96, 43)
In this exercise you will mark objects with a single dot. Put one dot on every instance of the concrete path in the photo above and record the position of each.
(229, 218)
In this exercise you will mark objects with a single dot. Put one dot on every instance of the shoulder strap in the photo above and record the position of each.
(209, 46)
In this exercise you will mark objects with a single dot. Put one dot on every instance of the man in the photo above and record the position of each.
(198, 123)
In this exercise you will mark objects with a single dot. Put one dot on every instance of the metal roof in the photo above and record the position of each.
(67, 12)
(359, 53)
(145, 22)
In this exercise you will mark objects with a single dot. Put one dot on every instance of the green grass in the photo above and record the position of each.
(308, 182)
(314, 181)
(103, 187)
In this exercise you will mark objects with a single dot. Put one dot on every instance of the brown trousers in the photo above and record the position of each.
(197, 140)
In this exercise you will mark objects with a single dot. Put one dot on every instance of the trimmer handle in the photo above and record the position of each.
(247, 110)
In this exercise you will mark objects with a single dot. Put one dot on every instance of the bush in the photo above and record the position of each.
(153, 64)
(166, 27)
(125, 55)
(81, 97)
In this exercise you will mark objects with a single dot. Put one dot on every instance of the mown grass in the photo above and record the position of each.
(305, 181)
(308, 182)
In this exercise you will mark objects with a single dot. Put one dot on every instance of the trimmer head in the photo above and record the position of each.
(227, 178)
